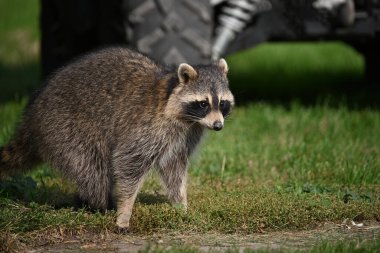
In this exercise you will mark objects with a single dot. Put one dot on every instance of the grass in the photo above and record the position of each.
(266, 142)
(275, 167)
(271, 169)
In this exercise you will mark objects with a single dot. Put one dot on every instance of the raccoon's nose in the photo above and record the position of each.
(218, 125)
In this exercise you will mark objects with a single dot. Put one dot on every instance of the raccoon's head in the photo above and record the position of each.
(202, 95)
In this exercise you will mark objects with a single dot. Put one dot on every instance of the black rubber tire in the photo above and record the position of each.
(371, 51)
(70, 28)
(171, 31)
(373, 63)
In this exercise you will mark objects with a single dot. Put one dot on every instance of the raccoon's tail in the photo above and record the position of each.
(15, 158)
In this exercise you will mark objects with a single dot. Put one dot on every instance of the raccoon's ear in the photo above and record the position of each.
(186, 73)
(222, 64)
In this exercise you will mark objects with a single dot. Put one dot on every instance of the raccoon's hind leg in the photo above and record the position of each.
(174, 175)
(89, 168)
(95, 190)
(94, 183)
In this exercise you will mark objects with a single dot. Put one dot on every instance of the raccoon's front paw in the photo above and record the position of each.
(120, 230)
(122, 223)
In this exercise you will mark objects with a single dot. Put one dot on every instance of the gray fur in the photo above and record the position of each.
(106, 119)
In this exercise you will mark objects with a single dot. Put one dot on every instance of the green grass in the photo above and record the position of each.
(275, 167)
(301, 144)
(270, 169)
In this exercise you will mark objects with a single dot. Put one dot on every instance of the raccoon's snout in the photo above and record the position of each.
(218, 125)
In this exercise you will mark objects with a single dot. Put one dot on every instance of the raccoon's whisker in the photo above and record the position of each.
(190, 120)
(193, 123)
(191, 117)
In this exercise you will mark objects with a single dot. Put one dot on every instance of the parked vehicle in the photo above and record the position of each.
(199, 31)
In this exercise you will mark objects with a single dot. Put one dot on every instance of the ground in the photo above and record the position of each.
(284, 241)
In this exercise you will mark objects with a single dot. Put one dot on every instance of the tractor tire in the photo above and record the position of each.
(371, 51)
(71, 28)
(171, 31)
(373, 63)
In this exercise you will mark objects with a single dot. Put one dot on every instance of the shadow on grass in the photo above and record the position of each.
(152, 199)
(331, 90)
(26, 189)
(310, 73)
(308, 87)
(18, 81)
(50, 189)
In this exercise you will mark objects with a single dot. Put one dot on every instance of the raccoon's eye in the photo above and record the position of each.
(225, 107)
(203, 104)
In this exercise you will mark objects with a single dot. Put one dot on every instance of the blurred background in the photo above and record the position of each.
(277, 52)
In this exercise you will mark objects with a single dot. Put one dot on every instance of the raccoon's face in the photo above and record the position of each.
(204, 96)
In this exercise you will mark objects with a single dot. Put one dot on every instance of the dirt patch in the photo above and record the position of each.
(219, 242)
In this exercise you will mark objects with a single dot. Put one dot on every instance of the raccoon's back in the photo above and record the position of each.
(79, 104)
(101, 76)
(92, 86)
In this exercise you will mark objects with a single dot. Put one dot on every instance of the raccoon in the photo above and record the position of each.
(106, 119)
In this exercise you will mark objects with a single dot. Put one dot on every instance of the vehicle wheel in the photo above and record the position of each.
(373, 63)
(370, 52)
(171, 31)
(71, 28)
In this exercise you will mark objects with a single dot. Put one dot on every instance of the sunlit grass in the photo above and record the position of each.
(317, 144)
(271, 168)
